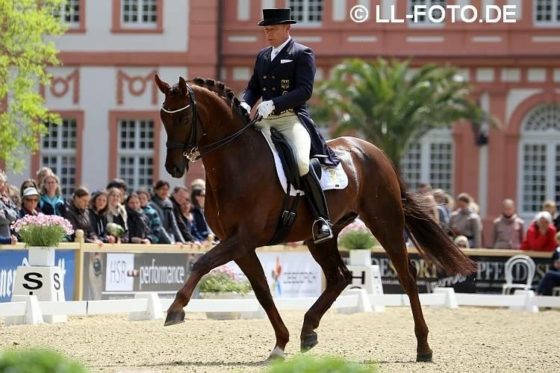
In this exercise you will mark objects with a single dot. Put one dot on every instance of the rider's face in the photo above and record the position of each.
(276, 34)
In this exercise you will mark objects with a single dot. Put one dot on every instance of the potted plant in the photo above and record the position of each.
(42, 234)
(222, 283)
(358, 239)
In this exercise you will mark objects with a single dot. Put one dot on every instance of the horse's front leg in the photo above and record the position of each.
(217, 256)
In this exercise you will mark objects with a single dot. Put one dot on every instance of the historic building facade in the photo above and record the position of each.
(104, 90)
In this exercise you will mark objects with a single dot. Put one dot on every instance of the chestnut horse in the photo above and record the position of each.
(244, 199)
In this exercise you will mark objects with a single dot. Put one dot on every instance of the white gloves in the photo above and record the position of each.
(245, 106)
(265, 108)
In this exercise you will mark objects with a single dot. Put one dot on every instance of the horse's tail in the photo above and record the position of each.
(430, 239)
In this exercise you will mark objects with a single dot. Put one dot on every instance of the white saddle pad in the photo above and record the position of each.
(331, 177)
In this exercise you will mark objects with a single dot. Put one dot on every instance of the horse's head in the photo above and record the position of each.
(178, 114)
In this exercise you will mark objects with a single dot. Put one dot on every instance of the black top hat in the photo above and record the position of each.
(276, 17)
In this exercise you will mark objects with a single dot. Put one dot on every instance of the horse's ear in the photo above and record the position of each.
(163, 86)
(183, 86)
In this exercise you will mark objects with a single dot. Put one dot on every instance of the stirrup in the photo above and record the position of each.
(321, 234)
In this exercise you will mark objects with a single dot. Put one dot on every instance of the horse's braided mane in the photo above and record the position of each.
(222, 91)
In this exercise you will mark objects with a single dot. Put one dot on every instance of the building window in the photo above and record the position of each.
(139, 13)
(430, 160)
(540, 159)
(307, 11)
(58, 151)
(547, 12)
(136, 152)
(423, 19)
(69, 12)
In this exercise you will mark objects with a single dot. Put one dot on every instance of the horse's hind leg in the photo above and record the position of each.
(337, 276)
(252, 268)
(390, 236)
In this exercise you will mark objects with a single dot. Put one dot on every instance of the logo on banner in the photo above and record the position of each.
(116, 278)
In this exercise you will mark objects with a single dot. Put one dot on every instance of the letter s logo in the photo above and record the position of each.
(56, 279)
(33, 281)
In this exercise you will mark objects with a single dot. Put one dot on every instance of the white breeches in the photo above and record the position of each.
(296, 134)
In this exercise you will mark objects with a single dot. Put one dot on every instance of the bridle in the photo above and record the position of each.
(191, 150)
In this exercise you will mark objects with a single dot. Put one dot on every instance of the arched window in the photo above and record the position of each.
(539, 162)
(430, 160)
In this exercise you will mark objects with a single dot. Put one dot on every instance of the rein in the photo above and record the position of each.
(191, 150)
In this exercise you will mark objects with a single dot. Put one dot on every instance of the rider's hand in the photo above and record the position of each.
(265, 108)
(245, 106)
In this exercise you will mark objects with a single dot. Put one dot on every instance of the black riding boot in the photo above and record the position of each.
(321, 229)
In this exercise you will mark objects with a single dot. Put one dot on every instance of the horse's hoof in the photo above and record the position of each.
(424, 358)
(308, 342)
(276, 354)
(174, 317)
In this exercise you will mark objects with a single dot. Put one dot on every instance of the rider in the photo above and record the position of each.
(283, 77)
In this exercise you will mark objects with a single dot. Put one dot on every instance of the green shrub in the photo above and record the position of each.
(37, 361)
(360, 239)
(314, 364)
(222, 280)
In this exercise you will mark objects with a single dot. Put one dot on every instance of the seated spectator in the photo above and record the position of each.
(164, 207)
(29, 183)
(8, 210)
(462, 242)
(551, 278)
(51, 202)
(541, 234)
(198, 184)
(30, 201)
(121, 185)
(76, 213)
(424, 188)
(508, 228)
(116, 212)
(12, 240)
(550, 206)
(157, 233)
(41, 174)
(138, 229)
(97, 214)
(197, 199)
(187, 217)
(179, 197)
(464, 221)
(442, 210)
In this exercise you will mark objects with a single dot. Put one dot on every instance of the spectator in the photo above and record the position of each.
(28, 184)
(462, 242)
(164, 207)
(179, 197)
(198, 184)
(541, 234)
(508, 228)
(197, 198)
(442, 210)
(551, 278)
(11, 240)
(97, 214)
(157, 233)
(30, 201)
(121, 185)
(424, 188)
(41, 174)
(550, 206)
(187, 217)
(51, 202)
(138, 225)
(464, 221)
(116, 212)
(8, 210)
(77, 215)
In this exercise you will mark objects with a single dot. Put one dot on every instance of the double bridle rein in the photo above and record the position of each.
(191, 150)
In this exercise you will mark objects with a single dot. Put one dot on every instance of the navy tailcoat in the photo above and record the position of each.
(288, 82)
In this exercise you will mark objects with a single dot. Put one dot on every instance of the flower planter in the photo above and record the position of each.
(360, 257)
(41, 256)
(222, 315)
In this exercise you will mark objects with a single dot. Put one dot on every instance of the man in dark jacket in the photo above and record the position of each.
(179, 197)
(164, 207)
(283, 77)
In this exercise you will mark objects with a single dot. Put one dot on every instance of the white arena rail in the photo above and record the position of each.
(148, 306)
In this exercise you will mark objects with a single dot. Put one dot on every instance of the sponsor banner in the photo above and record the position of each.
(11, 259)
(161, 272)
(488, 278)
(289, 274)
(119, 268)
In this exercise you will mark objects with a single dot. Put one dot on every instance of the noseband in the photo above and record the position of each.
(191, 150)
